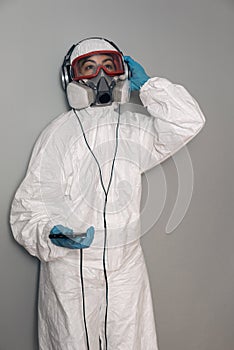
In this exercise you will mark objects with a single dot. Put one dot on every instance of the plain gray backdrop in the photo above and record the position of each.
(189, 42)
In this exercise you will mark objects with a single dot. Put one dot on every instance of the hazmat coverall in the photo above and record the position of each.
(62, 186)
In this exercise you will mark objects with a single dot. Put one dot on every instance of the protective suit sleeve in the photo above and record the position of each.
(39, 200)
(175, 119)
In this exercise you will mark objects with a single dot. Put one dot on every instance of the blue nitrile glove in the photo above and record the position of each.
(73, 242)
(138, 75)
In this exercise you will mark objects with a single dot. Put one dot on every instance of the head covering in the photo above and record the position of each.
(91, 44)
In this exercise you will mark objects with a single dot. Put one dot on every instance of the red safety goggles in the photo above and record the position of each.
(88, 66)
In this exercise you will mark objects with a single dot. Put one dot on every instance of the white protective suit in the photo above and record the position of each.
(62, 186)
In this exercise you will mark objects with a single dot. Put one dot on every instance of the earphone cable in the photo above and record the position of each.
(83, 298)
(106, 191)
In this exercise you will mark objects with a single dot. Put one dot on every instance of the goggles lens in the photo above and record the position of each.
(88, 66)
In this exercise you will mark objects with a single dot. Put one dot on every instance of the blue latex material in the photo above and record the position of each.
(74, 242)
(138, 75)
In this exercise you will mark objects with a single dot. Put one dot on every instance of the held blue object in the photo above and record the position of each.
(138, 75)
(72, 242)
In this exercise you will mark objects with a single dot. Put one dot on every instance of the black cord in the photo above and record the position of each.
(106, 191)
(105, 224)
(83, 298)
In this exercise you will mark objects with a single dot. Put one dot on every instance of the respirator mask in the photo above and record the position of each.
(95, 78)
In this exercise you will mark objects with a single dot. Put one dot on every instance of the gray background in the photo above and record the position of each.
(189, 42)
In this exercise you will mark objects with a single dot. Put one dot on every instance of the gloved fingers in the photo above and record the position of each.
(67, 243)
(90, 232)
(55, 229)
(61, 229)
(129, 59)
(55, 241)
(138, 75)
(65, 230)
(134, 65)
(86, 242)
(131, 63)
(60, 242)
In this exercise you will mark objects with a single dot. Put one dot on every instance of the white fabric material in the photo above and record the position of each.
(130, 311)
(89, 45)
(62, 186)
